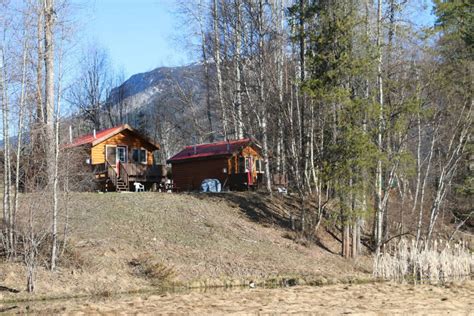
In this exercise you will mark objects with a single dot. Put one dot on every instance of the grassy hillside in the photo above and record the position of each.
(129, 242)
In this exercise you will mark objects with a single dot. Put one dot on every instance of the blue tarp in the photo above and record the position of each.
(211, 185)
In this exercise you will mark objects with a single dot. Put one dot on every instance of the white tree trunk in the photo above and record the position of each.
(261, 92)
(217, 60)
(448, 170)
(379, 171)
(19, 141)
(8, 234)
(418, 165)
(238, 67)
(423, 186)
(50, 124)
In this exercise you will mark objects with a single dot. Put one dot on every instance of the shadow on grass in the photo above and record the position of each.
(258, 207)
(320, 244)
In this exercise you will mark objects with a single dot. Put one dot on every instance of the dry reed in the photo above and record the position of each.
(434, 262)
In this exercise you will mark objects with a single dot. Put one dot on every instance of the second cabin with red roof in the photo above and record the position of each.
(237, 164)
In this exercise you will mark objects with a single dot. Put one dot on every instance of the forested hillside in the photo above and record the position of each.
(355, 101)
(365, 106)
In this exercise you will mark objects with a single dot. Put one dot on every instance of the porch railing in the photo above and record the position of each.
(140, 171)
(111, 173)
(123, 174)
(127, 172)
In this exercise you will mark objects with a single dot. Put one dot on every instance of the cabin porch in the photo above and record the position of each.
(121, 176)
(242, 181)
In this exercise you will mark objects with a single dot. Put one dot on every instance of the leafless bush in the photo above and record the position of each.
(157, 272)
(32, 232)
(73, 257)
(33, 235)
(434, 262)
(75, 173)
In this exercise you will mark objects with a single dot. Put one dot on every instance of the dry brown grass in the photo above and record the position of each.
(201, 238)
(382, 298)
(72, 258)
(156, 272)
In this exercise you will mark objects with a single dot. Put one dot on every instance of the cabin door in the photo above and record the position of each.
(116, 154)
(121, 154)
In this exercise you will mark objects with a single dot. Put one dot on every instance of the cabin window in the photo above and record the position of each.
(247, 164)
(157, 157)
(139, 155)
(111, 154)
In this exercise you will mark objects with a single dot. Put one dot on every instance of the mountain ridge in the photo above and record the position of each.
(142, 89)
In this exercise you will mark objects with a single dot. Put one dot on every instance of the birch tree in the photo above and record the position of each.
(52, 147)
(7, 211)
(342, 96)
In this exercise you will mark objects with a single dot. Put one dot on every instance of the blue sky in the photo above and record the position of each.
(139, 35)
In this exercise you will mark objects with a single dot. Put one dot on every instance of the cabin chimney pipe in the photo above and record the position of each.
(70, 133)
(94, 134)
(194, 145)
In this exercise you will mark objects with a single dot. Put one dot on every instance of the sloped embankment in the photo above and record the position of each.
(130, 242)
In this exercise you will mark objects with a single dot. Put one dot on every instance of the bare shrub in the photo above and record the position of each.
(101, 289)
(75, 173)
(433, 262)
(33, 235)
(73, 257)
(157, 272)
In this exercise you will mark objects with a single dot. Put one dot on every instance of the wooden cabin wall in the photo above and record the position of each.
(189, 175)
(233, 164)
(125, 138)
(249, 151)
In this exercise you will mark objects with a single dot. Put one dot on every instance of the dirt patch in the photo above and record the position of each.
(366, 299)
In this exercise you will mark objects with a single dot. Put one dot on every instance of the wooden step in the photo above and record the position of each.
(121, 186)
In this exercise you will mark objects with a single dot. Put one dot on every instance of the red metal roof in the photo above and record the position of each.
(89, 138)
(222, 148)
(102, 135)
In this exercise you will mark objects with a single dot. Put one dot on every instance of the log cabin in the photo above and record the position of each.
(237, 164)
(119, 157)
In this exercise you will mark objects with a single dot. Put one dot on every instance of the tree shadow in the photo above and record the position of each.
(7, 289)
(320, 244)
(258, 207)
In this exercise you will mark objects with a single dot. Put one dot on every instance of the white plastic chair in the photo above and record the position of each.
(139, 187)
